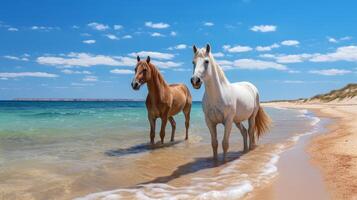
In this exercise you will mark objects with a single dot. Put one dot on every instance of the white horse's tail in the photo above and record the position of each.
(262, 122)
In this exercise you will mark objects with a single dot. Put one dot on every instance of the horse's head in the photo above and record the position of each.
(201, 65)
(142, 73)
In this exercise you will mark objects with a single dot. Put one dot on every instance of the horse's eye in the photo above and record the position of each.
(206, 61)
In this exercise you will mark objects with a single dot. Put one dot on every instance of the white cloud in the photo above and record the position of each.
(267, 55)
(98, 26)
(225, 64)
(345, 53)
(167, 64)
(85, 60)
(24, 58)
(293, 71)
(88, 41)
(267, 48)
(117, 27)
(156, 34)
(153, 54)
(337, 40)
(208, 24)
(68, 71)
(112, 37)
(90, 79)
(75, 27)
(159, 25)
(7, 75)
(346, 38)
(121, 71)
(218, 54)
(294, 58)
(257, 64)
(44, 28)
(181, 70)
(330, 72)
(85, 34)
(173, 33)
(127, 37)
(13, 29)
(290, 42)
(332, 40)
(179, 46)
(236, 49)
(264, 28)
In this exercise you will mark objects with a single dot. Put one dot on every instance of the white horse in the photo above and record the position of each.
(225, 102)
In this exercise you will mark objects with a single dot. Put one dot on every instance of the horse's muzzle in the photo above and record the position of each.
(196, 82)
(135, 85)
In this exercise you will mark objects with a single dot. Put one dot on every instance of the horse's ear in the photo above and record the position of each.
(148, 59)
(208, 49)
(138, 58)
(194, 49)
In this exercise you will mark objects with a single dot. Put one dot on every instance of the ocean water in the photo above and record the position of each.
(100, 150)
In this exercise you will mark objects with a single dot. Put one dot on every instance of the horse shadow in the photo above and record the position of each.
(198, 164)
(139, 148)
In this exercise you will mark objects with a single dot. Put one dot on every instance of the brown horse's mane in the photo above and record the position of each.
(157, 75)
(158, 86)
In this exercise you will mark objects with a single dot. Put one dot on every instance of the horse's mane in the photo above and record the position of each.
(156, 73)
(219, 70)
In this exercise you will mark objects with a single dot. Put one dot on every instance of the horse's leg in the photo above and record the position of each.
(152, 121)
(251, 123)
(213, 130)
(187, 111)
(244, 133)
(227, 132)
(163, 126)
(173, 125)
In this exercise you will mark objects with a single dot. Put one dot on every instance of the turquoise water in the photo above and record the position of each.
(79, 147)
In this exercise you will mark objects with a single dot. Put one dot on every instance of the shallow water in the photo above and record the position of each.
(66, 150)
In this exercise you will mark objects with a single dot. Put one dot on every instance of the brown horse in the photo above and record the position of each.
(163, 101)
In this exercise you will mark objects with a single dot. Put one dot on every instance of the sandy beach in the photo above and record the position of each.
(333, 152)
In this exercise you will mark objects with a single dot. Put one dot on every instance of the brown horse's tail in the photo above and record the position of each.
(262, 122)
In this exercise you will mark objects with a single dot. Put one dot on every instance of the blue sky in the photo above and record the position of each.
(86, 49)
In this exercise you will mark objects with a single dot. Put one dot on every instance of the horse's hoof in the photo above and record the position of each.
(225, 159)
(215, 157)
(172, 140)
(186, 138)
(252, 147)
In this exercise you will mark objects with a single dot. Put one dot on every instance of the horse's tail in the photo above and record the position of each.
(262, 122)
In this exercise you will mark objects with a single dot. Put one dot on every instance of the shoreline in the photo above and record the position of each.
(334, 153)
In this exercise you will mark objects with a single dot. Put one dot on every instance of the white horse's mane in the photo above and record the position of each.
(219, 70)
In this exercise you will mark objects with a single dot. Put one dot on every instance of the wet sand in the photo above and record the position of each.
(334, 152)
